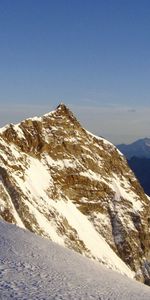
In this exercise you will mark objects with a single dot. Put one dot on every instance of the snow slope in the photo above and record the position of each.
(32, 267)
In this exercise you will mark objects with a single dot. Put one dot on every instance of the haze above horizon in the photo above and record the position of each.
(93, 55)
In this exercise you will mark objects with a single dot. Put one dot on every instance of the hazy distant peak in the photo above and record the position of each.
(139, 148)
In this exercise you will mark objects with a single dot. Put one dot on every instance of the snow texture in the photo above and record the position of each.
(32, 267)
(94, 241)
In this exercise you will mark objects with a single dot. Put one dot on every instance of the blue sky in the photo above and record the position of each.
(94, 55)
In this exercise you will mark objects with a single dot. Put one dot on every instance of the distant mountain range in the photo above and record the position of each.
(138, 156)
(140, 148)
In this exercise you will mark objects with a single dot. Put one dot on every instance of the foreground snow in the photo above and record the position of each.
(35, 268)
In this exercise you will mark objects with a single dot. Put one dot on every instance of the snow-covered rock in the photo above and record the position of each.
(62, 182)
(32, 267)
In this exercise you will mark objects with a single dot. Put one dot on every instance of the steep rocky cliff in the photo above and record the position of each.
(62, 182)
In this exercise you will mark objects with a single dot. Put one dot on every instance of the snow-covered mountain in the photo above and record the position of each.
(34, 268)
(139, 148)
(64, 183)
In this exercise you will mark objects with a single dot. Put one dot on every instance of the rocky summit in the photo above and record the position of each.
(62, 182)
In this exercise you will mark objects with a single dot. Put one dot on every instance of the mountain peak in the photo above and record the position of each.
(64, 109)
(33, 134)
(62, 106)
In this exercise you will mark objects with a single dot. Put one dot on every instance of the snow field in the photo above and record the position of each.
(34, 268)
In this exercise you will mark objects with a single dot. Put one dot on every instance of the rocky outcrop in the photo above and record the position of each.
(62, 182)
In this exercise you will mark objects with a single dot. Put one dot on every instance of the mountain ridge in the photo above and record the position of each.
(62, 182)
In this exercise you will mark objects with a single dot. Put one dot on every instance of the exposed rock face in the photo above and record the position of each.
(62, 182)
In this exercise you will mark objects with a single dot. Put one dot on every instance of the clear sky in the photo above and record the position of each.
(94, 55)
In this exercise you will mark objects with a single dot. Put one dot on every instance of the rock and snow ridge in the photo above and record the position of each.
(62, 182)
(34, 268)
